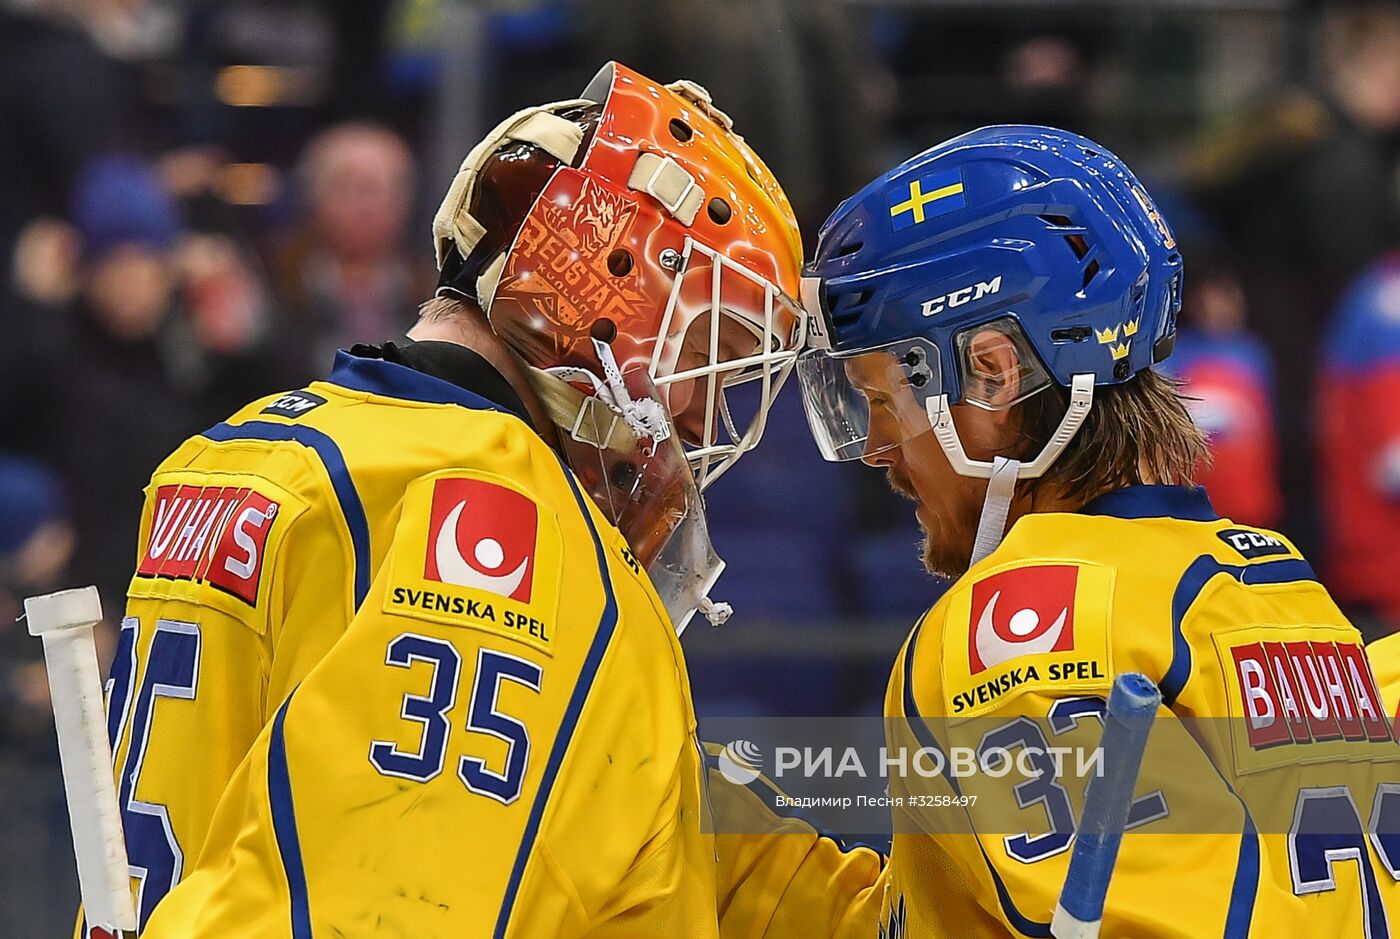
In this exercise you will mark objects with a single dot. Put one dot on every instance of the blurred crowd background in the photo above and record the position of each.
(201, 199)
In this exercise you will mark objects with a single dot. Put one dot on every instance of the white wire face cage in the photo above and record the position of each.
(735, 294)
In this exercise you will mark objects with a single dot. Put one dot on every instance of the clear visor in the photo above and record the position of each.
(865, 402)
(724, 326)
(646, 488)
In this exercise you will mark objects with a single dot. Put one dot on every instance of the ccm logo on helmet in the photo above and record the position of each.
(961, 296)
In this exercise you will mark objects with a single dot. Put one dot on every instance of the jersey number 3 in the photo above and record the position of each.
(483, 716)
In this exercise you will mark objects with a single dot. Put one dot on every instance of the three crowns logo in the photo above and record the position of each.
(1109, 337)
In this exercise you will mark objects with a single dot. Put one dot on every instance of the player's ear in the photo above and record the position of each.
(993, 370)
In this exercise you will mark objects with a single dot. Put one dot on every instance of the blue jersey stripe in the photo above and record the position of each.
(1241, 914)
(376, 376)
(1186, 503)
(331, 458)
(1285, 570)
(284, 825)
(1019, 921)
(911, 711)
(1198, 574)
(607, 623)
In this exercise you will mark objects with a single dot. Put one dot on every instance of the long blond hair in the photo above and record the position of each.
(1135, 430)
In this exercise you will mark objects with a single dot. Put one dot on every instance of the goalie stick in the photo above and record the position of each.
(64, 621)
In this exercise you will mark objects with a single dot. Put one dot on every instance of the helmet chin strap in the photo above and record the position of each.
(991, 527)
(1001, 473)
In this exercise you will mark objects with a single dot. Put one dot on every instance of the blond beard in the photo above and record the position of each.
(939, 558)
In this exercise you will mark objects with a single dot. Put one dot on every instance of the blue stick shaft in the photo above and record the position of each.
(1132, 705)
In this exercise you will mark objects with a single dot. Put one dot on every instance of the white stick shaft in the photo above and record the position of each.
(75, 685)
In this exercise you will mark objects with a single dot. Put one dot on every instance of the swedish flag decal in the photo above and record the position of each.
(925, 198)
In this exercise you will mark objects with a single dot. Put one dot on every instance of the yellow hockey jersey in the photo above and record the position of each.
(258, 540)
(1385, 658)
(501, 743)
(1269, 800)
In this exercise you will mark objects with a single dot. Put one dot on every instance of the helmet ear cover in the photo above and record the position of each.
(1000, 389)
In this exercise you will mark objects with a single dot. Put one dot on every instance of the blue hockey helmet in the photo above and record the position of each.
(1039, 233)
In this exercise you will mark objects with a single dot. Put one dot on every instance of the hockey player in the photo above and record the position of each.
(993, 309)
(503, 741)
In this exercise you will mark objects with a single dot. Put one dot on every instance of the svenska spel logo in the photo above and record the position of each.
(483, 536)
(740, 762)
(1023, 611)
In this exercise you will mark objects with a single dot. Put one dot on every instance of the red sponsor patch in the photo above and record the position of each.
(211, 534)
(1370, 706)
(483, 536)
(1301, 692)
(1335, 687)
(1023, 611)
(1285, 685)
(1322, 723)
(238, 558)
(1263, 707)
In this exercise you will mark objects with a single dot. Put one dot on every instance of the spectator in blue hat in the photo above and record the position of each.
(128, 226)
(129, 390)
